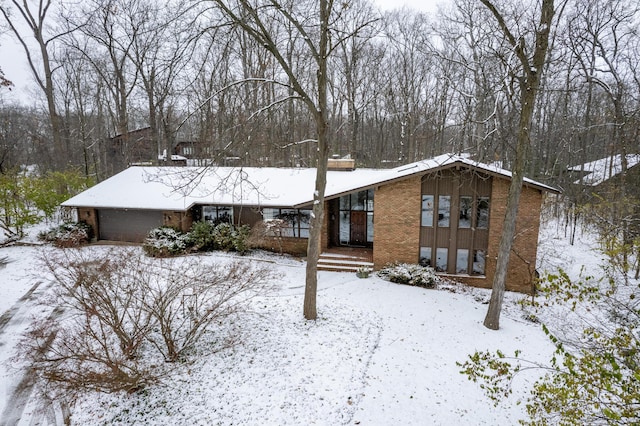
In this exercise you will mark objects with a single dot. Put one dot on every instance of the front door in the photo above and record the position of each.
(358, 228)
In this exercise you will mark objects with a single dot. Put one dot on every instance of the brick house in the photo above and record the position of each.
(445, 212)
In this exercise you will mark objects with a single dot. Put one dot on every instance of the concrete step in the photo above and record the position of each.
(342, 262)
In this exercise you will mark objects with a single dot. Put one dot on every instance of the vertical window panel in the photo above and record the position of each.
(427, 210)
(304, 220)
(425, 256)
(370, 200)
(441, 259)
(478, 262)
(466, 207)
(345, 227)
(369, 227)
(482, 220)
(462, 261)
(444, 211)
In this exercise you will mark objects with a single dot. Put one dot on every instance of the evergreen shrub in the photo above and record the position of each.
(410, 274)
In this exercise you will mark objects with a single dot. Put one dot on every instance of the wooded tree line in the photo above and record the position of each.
(402, 87)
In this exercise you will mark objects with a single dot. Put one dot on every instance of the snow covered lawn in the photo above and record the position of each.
(380, 353)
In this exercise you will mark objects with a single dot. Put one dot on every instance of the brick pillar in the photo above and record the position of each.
(396, 227)
(178, 220)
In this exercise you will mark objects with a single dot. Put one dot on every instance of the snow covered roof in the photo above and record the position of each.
(598, 171)
(179, 188)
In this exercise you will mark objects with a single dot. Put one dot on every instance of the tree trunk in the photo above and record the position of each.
(529, 83)
(322, 155)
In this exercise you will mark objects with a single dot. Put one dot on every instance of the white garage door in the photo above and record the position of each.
(127, 225)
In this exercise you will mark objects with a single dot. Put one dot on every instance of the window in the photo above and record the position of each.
(217, 214)
(295, 221)
(369, 227)
(187, 150)
(345, 227)
(462, 261)
(444, 211)
(441, 259)
(290, 216)
(427, 210)
(478, 262)
(304, 222)
(454, 221)
(466, 206)
(482, 219)
(360, 201)
(425, 256)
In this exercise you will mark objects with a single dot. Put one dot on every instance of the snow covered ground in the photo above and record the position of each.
(379, 354)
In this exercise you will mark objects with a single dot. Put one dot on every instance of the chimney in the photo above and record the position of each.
(345, 164)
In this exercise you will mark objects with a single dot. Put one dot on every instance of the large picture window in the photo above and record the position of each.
(295, 222)
(217, 214)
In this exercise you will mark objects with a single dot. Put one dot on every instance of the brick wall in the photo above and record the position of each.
(294, 246)
(397, 231)
(396, 227)
(523, 253)
(90, 216)
(179, 220)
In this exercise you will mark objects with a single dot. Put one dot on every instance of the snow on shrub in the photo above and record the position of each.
(165, 241)
(405, 273)
(69, 234)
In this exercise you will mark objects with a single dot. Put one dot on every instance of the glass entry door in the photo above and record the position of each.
(356, 219)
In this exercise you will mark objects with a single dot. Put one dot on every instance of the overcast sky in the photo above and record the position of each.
(14, 65)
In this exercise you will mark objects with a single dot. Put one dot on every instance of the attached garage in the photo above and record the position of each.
(127, 224)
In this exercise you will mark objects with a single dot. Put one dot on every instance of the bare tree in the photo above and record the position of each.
(38, 24)
(4, 82)
(531, 62)
(314, 23)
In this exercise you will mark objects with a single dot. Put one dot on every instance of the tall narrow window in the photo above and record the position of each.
(427, 210)
(425, 256)
(345, 226)
(441, 259)
(478, 262)
(444, 211)
(462, 261)
(483, 213)
(466, 207)
(369, 227)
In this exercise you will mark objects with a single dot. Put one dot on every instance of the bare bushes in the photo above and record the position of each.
(121, 314)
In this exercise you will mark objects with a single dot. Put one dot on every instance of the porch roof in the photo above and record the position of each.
(179, 188)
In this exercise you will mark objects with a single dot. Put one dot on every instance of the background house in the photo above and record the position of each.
(446, 212)
(607, 171)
